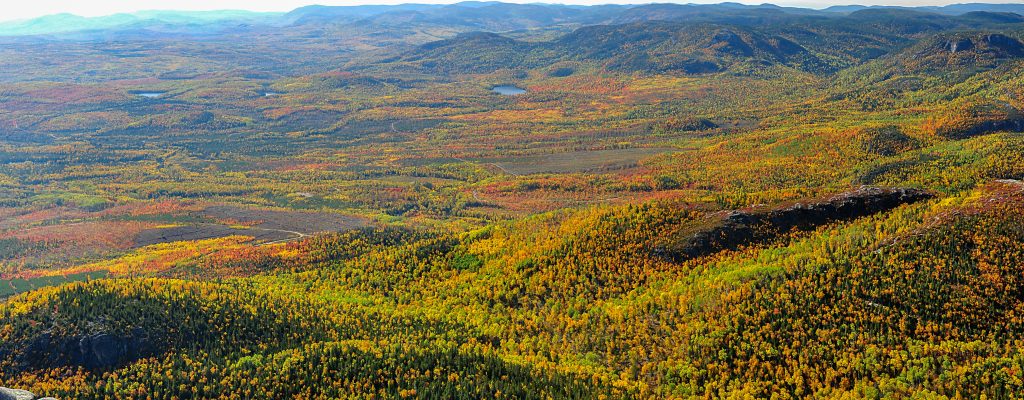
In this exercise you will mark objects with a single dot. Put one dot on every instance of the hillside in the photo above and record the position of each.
(656, 39)
(685, 48)
(654, 47)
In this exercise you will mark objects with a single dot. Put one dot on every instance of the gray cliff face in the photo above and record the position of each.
(94, 351)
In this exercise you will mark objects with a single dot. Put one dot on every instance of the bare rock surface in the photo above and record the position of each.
(15, 394)
(739, 228)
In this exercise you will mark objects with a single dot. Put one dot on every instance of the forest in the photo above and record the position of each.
(522, 201)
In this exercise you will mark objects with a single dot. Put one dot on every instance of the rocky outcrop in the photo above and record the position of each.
(740, 228)
(15, 394)
(959, 53)
(95, 351)
(958, 45)
(994, 44)
(1006, 44)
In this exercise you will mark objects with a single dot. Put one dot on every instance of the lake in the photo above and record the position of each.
(508, 90)
(150, 95)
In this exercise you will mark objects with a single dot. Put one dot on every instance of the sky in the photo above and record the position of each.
(24, 9)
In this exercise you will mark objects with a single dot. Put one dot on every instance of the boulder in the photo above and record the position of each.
(15, 394)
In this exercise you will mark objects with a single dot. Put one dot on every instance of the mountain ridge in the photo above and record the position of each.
(539, 13)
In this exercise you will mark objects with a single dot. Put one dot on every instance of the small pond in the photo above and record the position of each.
(508, 90)
(150, 95)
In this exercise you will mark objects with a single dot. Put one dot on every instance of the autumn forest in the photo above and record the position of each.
(517, 201)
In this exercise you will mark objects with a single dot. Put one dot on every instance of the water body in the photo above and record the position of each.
(508, 90)
(268, 94)
(150, 95)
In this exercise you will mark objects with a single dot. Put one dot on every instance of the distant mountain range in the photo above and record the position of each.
(952, 9)
(178, 20)
(696, 39)
(493, 16)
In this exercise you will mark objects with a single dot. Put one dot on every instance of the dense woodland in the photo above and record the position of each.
(716, 201)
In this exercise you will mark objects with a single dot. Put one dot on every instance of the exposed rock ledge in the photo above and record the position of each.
(740, 228)
(94, 351)
(15, 394)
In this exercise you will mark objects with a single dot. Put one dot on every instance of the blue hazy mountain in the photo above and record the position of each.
(60, 23)
(485, 15)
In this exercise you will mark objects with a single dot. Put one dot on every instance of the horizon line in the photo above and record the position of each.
(937, 4)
